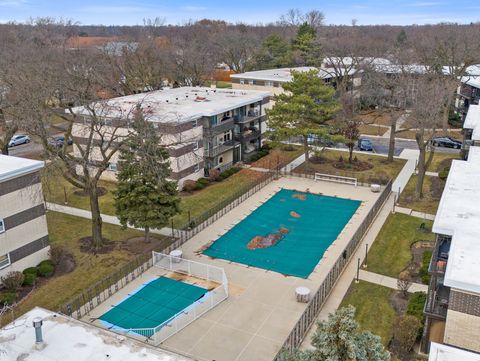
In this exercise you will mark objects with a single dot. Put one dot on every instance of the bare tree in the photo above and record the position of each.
(404, 282)
(295, 17)
(431, 94)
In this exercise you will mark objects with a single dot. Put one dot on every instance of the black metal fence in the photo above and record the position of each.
(96, 294)
(310, 314)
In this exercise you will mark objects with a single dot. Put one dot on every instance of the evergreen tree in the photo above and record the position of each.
(144, 197)
(340, 339)
(275, 52)
(302, 109)
(306, 48)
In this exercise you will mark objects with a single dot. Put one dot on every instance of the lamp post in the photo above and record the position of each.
(358, 271)
(365, 265)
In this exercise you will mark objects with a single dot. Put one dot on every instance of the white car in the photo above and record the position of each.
(19, 139)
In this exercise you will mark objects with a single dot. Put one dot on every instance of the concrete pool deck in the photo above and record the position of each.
(255, 320)
(261, 311)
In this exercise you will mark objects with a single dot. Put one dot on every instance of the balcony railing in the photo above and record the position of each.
(219, 149)
(248, 135)
(250, 117)
(221, 127)
(437, 299)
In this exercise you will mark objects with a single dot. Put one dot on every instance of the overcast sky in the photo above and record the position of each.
(129, 12)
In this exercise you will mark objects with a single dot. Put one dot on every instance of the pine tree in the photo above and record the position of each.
(340, 339)
(302, 109)
(144, 197)
(306, 46)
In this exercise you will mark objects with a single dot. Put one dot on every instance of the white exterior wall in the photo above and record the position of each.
(30, 261)
(20, 200)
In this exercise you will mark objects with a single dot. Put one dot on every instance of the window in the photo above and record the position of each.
(269, 83)
(113, 167)
(197, 168)
(4, 261)
(196, 145)
(194, 123)
(251, 82)
(242, 81)
(220, 160)
(2, 226)
(227, 136)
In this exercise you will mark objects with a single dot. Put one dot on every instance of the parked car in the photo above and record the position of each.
(446, 142)
(314, 139)
(19, 139)
(59, 141)
(365, 145)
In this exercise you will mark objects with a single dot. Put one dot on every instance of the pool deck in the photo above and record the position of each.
(255, 320)
(261, 310)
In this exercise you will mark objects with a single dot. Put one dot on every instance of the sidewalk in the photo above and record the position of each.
(341, 287)
(411, 155)
(105, 217)
(413, 213)
(389, 282)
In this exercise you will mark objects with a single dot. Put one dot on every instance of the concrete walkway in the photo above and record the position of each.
(411, 155)
(389, 282)
(341, 287)
(413, 213)
(105, 217)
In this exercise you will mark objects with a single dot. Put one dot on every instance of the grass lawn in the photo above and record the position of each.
(278, 157)
(441, 160)
(66, 230)
(391, 252)
(381, 171)
(374, 313)
(432, 191)
(376, 117)
(55, 187)
(368, 129)
(214, 194)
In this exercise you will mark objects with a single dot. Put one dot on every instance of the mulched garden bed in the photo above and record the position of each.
(137, 245)
(87, 246)
(343, 164)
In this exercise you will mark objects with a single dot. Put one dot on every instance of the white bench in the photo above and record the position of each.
(335, 178)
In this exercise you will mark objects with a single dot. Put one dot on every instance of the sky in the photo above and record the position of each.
(132, 12)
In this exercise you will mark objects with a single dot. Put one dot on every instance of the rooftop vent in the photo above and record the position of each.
(37, 324)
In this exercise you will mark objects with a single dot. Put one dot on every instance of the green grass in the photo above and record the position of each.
(66, 230)
(432, 189)
(201, 201)
(381, 170)
(373, 310)
(438, 158)
(278, 157)
(391, 253)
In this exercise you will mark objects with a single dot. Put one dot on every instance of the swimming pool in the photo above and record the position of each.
(287, 234)
(154, 304)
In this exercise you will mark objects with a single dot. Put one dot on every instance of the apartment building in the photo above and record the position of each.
(23, 225)
(453, 305)
(203, 128)
(439, 352)
(468, 93)
(273, 79)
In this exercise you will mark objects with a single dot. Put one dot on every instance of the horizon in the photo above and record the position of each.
(130, 13)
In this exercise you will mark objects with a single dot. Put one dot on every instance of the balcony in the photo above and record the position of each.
(219, 149)
(248, 135)
(224, 126)
(250, 117)
(438, 263)
(437, 299)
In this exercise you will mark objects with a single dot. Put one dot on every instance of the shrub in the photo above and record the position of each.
(416, 304)
(12, 281)
(46, 262)
(213, 174)
(443, 174)
(427, 255)
(199, 185)
(57, 254)
(46, 270)
(288, 148)
(8, 298)
(189, 185)
(203, 181)
(340, 160)
(30, 279)
(406, 332)
(30, 270)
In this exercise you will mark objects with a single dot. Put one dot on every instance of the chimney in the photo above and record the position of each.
(37, 324)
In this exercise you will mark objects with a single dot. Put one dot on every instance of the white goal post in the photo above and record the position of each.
(335, 178)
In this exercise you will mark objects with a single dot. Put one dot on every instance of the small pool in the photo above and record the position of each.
(287, 234)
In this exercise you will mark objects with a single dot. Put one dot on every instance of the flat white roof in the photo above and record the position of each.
(68, 339)
(439, 352)
(12, 167)
(459, 216)
(472, 121)
(284, 75)
(176, 105)
(472, 81)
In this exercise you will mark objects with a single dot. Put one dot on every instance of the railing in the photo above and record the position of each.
(335, 178)
(314, 306)
(250, 118)
(160, 333)
(219, 149)
(221, 127)
(248, 135)
(437, 299)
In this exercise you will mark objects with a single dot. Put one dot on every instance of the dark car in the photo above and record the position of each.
(365, 145)
(446, 142)
(58, 141)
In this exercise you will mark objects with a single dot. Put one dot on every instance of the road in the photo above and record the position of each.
(380, 146)
(26, 150)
